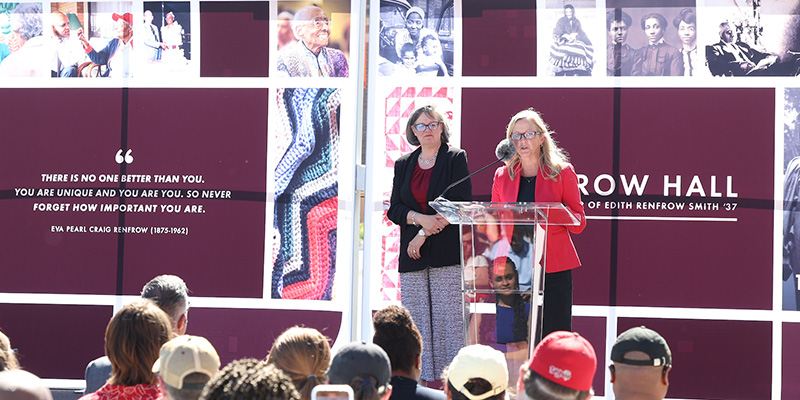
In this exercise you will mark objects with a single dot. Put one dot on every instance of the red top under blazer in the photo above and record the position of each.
(561, 254)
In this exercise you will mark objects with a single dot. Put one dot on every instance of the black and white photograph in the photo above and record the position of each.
(569, 25)
(416, 38)
(313, 39)
(753, 38)
(652, 41)
(791, 199)
(166, 38)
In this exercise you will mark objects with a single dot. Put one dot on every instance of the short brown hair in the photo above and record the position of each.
(397, 335)
(133, 339)
(431, 111)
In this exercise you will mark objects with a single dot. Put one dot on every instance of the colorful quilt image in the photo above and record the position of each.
(306, 193)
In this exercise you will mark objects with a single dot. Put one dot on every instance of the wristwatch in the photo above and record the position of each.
(422, 232)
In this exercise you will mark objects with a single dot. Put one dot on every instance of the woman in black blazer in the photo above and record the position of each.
(430, 256)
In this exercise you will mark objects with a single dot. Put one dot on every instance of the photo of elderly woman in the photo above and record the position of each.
(571, 52)
(322, 33)
(23, 47)
(427, 26)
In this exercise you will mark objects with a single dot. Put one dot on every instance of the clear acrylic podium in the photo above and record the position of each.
(503, 253)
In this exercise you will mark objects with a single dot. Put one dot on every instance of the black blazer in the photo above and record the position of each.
(443, 248)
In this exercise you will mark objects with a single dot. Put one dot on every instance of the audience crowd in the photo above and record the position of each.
(150, 357)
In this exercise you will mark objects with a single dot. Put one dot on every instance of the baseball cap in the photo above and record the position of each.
(127, 17)
(360, 358)
(186, 355)
(645, 340)
(478, 361)
(565, 358)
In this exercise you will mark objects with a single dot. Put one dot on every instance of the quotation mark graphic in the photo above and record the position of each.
(127, 159)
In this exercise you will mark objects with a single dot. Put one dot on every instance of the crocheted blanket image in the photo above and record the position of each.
(306, 193)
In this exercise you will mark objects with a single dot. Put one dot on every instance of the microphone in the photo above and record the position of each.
(504, 151)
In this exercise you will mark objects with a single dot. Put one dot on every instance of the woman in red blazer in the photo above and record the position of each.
(540, 171)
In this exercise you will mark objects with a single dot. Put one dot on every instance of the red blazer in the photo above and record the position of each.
(561, 254)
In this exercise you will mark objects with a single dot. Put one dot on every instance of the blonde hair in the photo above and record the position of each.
(304, 354)
(8, 360)
(552, 158)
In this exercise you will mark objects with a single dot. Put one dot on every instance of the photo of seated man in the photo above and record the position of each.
(69, 54)
(94, 39)
(760, 41)
(117, 55)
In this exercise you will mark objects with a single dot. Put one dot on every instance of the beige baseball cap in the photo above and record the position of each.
(186, 355)
(479, 361)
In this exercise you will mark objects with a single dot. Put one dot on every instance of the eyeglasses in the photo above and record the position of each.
(528, 135)
(423, 127)
(320, 22)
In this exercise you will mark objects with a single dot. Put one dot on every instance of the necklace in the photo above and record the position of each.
(529, 179)
(428, 161)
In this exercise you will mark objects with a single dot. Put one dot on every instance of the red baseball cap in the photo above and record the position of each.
(564, 358)
(127, 17)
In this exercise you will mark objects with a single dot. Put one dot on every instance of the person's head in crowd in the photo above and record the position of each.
(408, 55)
(26, 21)
(123, 26)
(617, 24)
(505, 277)
(365, 367)
(22, 385)
(477, 372)
(562, 368)
(727, 33)
(654, 26)
(432, 111)
(170, 293)
(8, 360)
(398, 336)
(60, 24)
(184, 366)
(250, 379)
(431, 46)
(569, 11)
(415, 19)
(641, 364)
(475, 243)
(519, 244)
(474, 240)
(304, 354)
(285, 34)
(312, 27)
(134, 337)
(686, 22)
